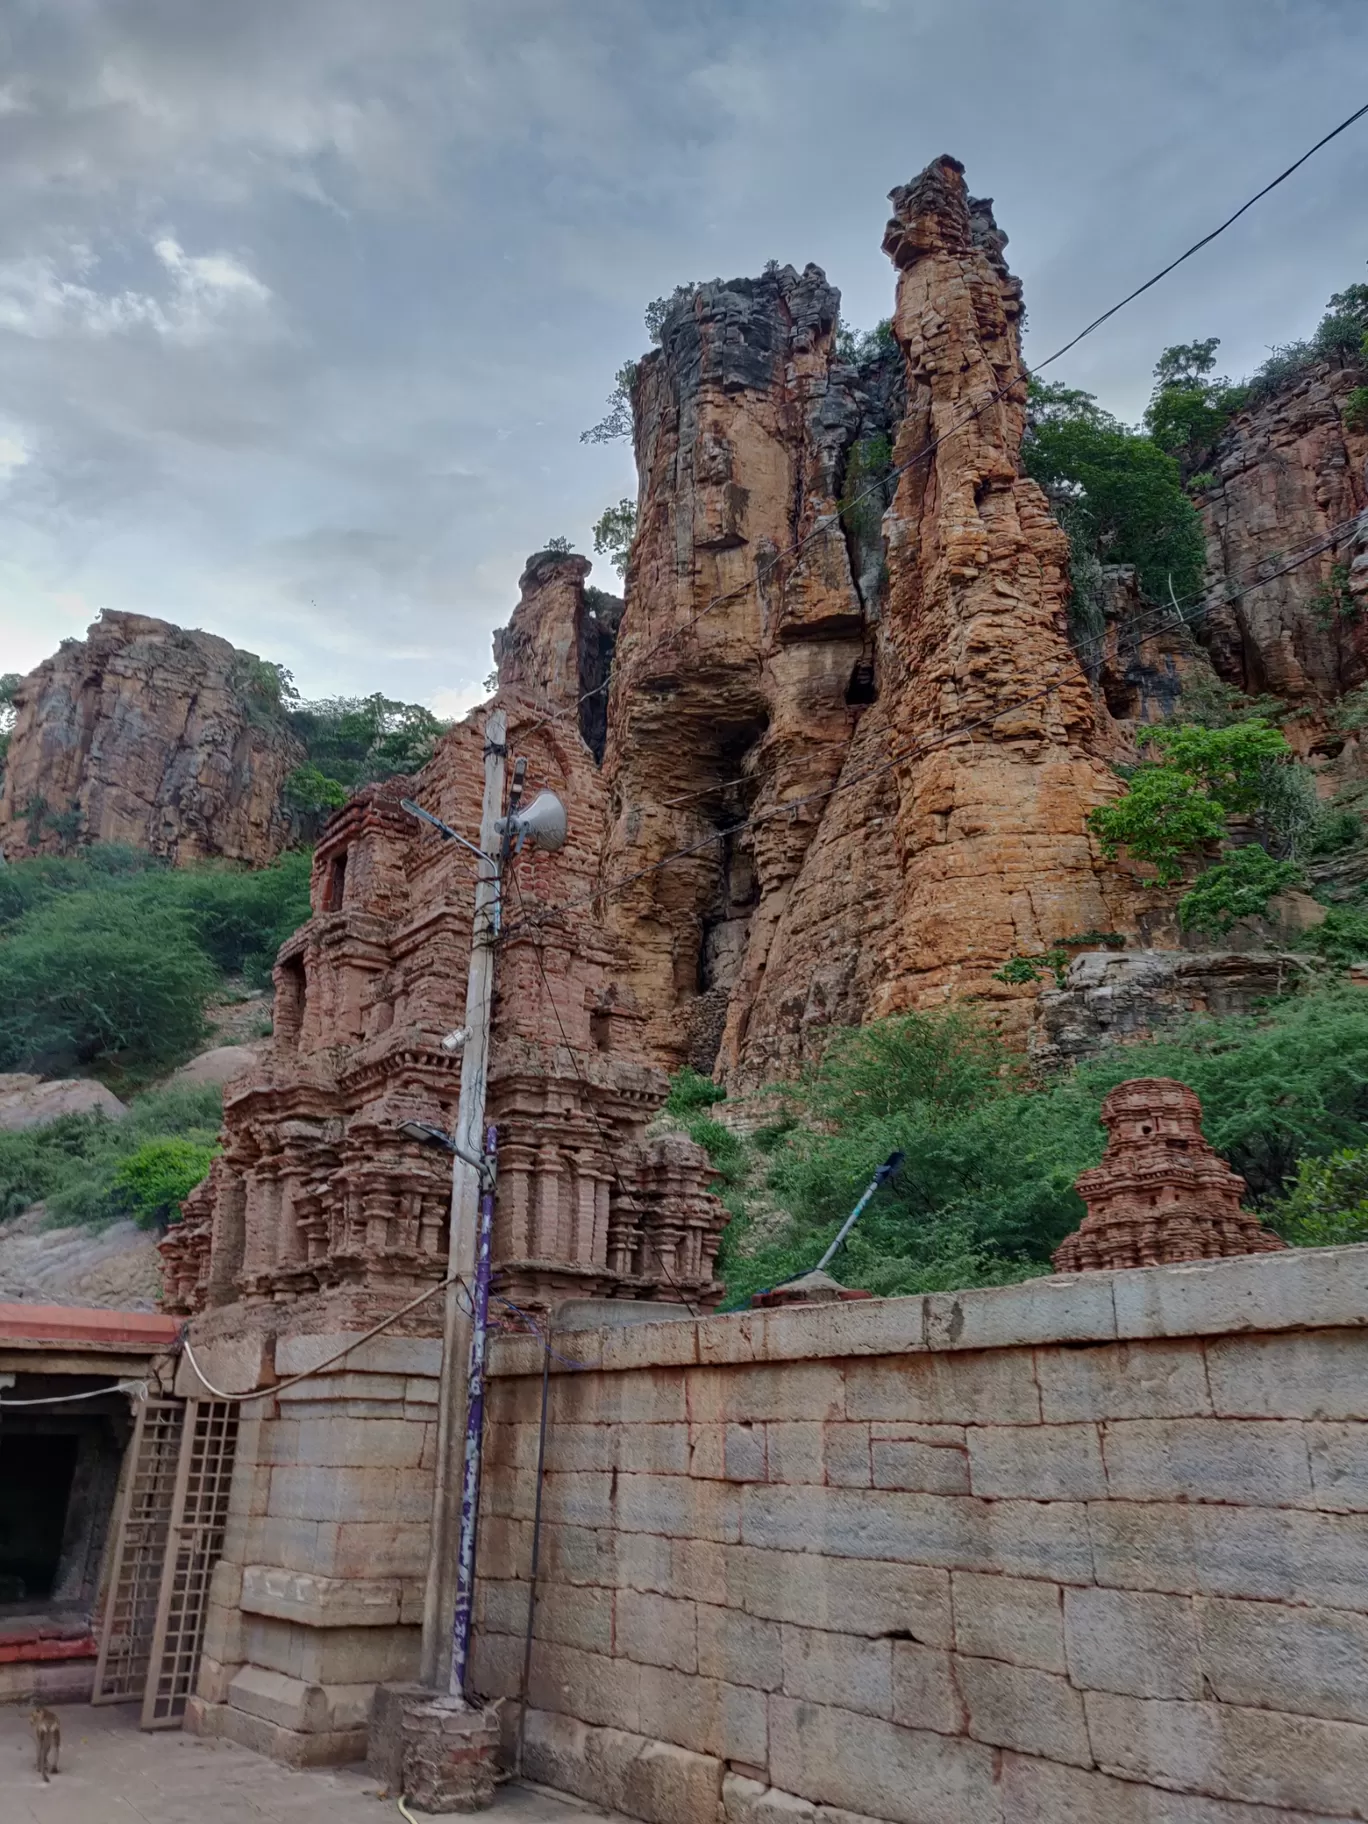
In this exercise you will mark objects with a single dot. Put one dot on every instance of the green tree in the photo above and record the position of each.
(357, 740)
(617, 420)
(1327, 1204)
(614, 531)
(151, 1184)
(9, 690)
(1239, 887)
(1189, 409)
(1124, 495)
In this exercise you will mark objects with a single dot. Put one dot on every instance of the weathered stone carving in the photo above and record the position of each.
(147, 734)
(1161, 1193)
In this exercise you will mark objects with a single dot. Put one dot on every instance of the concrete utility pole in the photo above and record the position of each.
(439, 1595)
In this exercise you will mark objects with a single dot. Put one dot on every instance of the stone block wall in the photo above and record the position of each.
(318, 1596)
(1086, 1551)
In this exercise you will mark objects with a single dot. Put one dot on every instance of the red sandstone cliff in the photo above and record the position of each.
(944, 704)
(1287, 473)
(146, 734)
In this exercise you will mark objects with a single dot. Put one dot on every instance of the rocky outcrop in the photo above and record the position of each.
(147, 734)
(1124, 998)
(1287, 472)
(557, 650)
(911, 743)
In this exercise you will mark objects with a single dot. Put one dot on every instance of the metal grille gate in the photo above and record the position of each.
(170, 1538)
(194, 1546)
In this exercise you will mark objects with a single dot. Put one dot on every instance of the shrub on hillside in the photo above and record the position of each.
(986, 1192)
(71, 1163)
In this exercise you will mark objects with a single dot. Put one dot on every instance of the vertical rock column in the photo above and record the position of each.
(925, 875)
(734, 657)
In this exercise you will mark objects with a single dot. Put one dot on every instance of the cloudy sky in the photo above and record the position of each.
(304, 303)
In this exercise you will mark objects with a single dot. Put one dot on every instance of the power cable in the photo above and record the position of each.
(630, 1196)
(825, 522)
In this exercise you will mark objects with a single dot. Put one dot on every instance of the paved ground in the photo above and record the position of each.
(112, 1773)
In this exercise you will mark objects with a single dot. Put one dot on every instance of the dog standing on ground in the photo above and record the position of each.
(47, 1738)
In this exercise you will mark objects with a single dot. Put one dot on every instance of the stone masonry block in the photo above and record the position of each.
(1039, 1792)
(707, 1451)
(1311, 1374)
(1074, 1307)
(320, 1602)
(572, 1498)
(665, 1784)
(925, 1694)
(1036, 1462)
(846, 1455)
(679, 1506)
(1253, 1463)
(704, 1715)
(850, 1596)
(786, 1390)
(923, 1459)
(1019, 1707)
(739, 1649)
(672, 1343)
(649, 1396)
(793, 1451)
(340, 1442)
(589, 1686)
(752, 1802)
(697, 1569)
(819, 1666)
(1303, 1288)
(861, 1763)
(377, 1548)
(1338, 1455)
(1151, 1380)
(578, 1554)
(743, 1452)
(1276, 1554)
(496, 1663)
(658, 1450)
(382, 1355)
(1259, 1756)
(644, 1561)
(992, 1387)
(1131, 1642)
(1010, 1618)
(1313, 1662)
(306, 1492)
(657, 1630)
(885, 1326)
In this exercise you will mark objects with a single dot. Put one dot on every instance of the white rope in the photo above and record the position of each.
(275, 1387)
(94, 1393)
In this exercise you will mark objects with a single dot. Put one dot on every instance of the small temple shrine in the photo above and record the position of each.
(1162, 1193)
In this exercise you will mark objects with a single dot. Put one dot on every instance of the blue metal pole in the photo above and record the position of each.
(475, 1390)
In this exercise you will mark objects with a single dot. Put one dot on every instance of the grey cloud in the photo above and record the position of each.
(412, 243)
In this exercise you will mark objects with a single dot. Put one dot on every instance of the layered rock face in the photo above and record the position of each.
(914, 747)
(1287, 474)
(144, 733)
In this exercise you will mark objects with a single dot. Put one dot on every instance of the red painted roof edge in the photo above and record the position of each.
(86, 1326)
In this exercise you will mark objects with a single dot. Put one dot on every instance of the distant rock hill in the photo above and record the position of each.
(148, 734)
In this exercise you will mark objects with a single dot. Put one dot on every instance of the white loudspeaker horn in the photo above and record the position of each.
(543, 823)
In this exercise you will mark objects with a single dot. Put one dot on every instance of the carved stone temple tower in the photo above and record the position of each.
(320, 1218)
(1161, 1193)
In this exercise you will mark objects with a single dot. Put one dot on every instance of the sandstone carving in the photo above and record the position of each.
(317, 1192)
(147, 734)
(1161, 1193)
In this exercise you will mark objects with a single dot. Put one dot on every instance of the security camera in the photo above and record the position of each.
(456, 1041)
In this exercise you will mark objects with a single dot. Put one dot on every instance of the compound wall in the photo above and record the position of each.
(1092, 1550)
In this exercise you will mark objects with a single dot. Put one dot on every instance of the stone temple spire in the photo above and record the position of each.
(1161, 1193)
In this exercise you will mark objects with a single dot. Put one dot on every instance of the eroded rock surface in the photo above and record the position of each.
(147, 734)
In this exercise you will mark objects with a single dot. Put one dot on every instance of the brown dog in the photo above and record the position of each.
(47, 1738)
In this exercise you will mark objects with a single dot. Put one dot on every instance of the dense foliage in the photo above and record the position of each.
(1119, 494)
(614, 531)
(352, 741)
(107, 959)
(986, 1190)
(88, 1168)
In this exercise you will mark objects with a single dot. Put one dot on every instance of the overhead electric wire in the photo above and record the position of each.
(1165, 617)
(825, 522)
